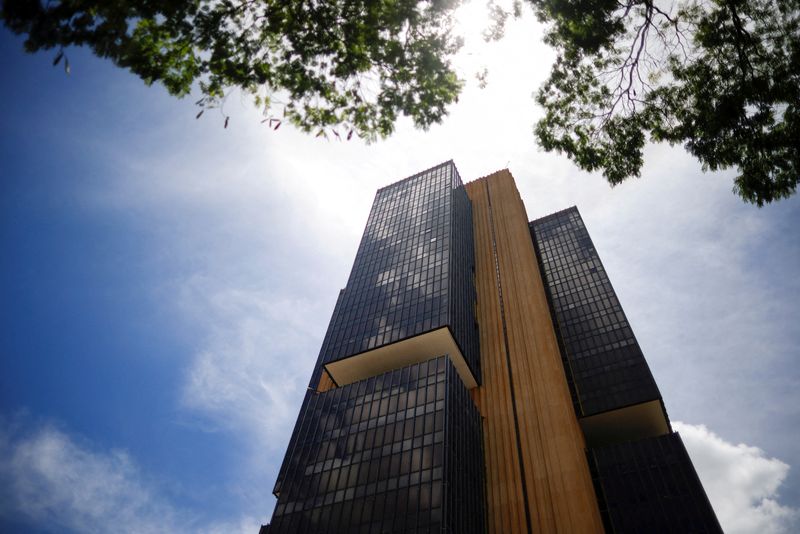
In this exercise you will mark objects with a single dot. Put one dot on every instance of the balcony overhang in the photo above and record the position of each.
(399, 354)
(630, 423)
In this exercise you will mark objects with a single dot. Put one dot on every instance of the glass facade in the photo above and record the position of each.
(650, 486)
(398, 452)
(396, 444)
(413, 271)
(643, 484)
(604, 364)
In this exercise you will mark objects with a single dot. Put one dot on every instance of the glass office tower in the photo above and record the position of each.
(479, 375)
(388, 438)
(601, 355)
(644, 477)
(410, 295)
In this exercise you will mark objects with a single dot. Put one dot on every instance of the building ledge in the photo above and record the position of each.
(630, 423)
(399, 354)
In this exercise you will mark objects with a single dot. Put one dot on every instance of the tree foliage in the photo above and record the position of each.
(721, 77)
(325, 65)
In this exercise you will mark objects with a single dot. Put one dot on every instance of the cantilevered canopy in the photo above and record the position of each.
(630, 423)
(400, 354)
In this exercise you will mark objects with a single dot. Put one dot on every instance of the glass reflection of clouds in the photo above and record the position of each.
(379, 455)
(416, 246)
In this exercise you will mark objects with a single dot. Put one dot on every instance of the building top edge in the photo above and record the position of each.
(418, 174)
(485, 176)
(555, 214)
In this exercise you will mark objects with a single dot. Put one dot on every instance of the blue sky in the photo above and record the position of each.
(166, 284)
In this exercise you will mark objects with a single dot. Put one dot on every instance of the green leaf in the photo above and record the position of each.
(314, 55)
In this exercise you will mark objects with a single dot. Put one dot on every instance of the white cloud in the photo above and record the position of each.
(254, 359)
(58, 482)
(741, 482)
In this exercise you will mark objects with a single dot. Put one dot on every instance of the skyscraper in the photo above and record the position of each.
(479, 375)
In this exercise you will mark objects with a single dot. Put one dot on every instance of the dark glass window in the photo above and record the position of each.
(416, 247)
(364, 473)
(650, 485)
(605, 366)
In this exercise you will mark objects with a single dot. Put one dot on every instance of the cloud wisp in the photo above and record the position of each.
(252, 364)
(59, 482)
(741, 482)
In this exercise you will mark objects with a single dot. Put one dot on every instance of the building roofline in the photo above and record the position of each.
(417, 175)
(556, 214)
(478, 179)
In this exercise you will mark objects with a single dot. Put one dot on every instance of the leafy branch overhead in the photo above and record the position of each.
(720, 77)
(356, 64)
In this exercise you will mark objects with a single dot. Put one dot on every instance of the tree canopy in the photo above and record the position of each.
(353, 64)
(720, 77)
